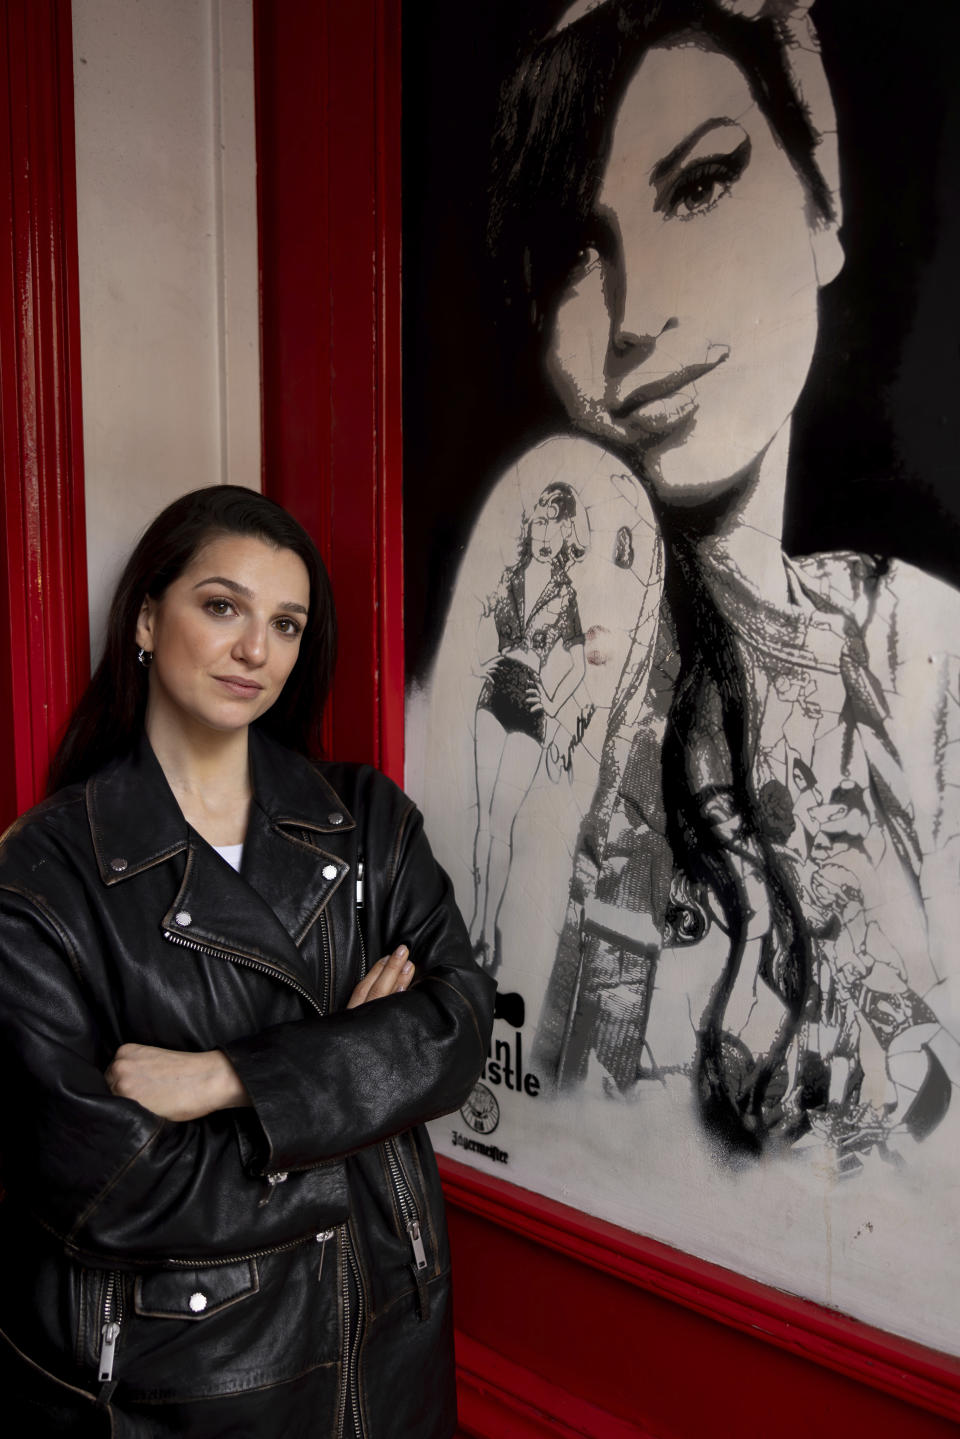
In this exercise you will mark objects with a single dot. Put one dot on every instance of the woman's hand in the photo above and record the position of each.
(174, 1083)
(390, 975)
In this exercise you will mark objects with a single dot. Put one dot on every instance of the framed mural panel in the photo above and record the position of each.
(682, 548)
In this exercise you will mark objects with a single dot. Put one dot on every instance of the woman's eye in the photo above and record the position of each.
(702, 183)
(287, 626)
(219, 607)
(586, 261)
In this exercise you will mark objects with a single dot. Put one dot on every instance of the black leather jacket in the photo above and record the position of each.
(295, 1248)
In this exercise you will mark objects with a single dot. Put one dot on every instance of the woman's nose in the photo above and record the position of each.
(633, 338)
(251, 644)
(638, 317)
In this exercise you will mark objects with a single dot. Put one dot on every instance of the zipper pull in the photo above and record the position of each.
(322, 1240)
(359, 884)
(275, 1177)
(108, 1349)
(419, 1265)
(416, 1244)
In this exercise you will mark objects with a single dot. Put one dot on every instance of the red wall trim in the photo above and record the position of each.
(869, 1356)
(328, 135)
(44, 640)
(389, 388)
(497, 1398)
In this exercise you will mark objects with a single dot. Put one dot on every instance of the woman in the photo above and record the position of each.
(789, 715)
(222, 1212)
(534, 616)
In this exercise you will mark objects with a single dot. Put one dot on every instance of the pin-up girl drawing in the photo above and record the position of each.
(531, 618)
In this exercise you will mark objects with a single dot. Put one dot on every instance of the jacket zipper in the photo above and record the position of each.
(243, 959)
(410, 1216)
(359, 908)
(111, 1316)
(406, 1203)
(351, 1340)
(327, 986)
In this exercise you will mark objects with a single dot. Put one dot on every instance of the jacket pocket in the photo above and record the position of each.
(194, 1293)
(203, 1331)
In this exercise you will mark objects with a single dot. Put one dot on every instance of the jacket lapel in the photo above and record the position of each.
(293, 860)
(218, 911)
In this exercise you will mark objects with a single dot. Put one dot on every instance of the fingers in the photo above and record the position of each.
(390, 975)
(120, 1071)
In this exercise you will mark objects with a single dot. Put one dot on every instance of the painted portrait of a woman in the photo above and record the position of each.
(755, 866)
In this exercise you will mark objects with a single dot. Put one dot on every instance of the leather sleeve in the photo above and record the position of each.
(323, 1088)
(117, 1184)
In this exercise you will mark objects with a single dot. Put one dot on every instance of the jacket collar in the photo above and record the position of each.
(135, 822)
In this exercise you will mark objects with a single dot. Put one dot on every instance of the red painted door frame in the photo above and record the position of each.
(328, 105)
(44, 643)
(566, 1325)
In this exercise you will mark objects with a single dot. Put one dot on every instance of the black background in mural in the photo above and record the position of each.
(876, 448)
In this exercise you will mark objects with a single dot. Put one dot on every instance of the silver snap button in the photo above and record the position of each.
(183, 917)
(198, 1302)
(118, 865)
(329, 871)
(335, 817)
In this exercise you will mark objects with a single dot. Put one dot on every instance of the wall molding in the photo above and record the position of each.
(44, 647)
(910, 1372)
(328, 139)
(497, 1397)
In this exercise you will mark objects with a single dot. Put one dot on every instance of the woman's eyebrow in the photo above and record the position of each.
(239, 589)
(678, 154)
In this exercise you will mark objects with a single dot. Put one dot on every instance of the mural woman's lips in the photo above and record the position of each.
(656, 408)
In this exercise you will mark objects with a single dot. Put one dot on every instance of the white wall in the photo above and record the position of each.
(167, 221)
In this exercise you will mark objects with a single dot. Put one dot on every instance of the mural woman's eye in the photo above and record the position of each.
(586, 261)
(703, 182)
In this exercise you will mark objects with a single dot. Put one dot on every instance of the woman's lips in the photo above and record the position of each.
(657, 407)
(243, 689)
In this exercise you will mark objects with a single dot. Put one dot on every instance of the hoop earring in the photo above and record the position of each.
(145, 657)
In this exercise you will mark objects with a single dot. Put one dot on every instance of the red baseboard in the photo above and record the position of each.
(501, 1400)
(657, 1339)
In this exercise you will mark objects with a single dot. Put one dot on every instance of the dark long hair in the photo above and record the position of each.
(558, 114)
(737, 1093)
(109, 717)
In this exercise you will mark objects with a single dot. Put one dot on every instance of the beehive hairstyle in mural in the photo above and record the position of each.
(110, 715)
(550, 153)
(558, 111)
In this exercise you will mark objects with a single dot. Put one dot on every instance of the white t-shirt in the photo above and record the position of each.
(232, 853)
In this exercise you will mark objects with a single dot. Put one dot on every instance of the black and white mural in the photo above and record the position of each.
(683, 538)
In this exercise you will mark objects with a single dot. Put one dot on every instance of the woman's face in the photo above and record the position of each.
(225, 634)
(547, 530)
(685, 332)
